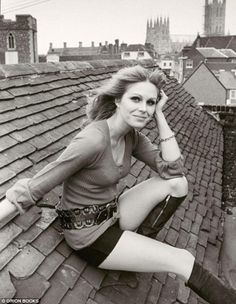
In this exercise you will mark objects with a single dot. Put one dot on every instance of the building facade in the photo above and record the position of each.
(18, 40)
(135, 52)
(205, 87)
(192, 56)
(214, 18)
(213, 84)
(83, 53)
(158, 34)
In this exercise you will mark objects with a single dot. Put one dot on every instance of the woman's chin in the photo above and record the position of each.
(140, 124)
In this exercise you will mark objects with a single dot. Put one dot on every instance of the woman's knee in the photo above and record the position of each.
(179, 186)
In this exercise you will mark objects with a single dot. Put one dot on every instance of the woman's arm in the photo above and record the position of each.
(166, 159)
(81, 152)
(168, 144)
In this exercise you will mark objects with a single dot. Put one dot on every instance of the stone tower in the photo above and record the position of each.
(214, 18)
(158, 34)
(18, 40)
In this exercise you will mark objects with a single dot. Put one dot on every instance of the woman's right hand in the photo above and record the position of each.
(6, 209)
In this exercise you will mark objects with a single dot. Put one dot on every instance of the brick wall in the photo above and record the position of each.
(227, 116)
(229, 167)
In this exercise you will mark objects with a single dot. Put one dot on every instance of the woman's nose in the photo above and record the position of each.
(143, 107)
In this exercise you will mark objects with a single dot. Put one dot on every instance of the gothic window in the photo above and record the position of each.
(11, 43)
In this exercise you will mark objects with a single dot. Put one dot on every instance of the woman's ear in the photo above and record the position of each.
(117, 103)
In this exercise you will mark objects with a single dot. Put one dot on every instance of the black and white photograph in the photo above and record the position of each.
(118, 151)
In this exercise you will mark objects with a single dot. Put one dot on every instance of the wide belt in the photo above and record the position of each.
(86, 217)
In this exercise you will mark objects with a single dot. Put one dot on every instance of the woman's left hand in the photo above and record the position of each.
(161, 102)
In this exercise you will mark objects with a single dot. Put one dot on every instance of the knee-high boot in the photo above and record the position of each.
(160, 215)
(209, 287)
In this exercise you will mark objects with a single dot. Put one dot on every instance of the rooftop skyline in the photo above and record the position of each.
(72, 21)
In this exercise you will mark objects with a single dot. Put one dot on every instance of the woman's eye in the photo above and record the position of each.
(135, 98)
(151, 102)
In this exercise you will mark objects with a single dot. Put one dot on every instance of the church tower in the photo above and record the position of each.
(214, 18)
(18, 40)
(158, 34)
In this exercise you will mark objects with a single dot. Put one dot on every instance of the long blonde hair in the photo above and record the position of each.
(103, 105)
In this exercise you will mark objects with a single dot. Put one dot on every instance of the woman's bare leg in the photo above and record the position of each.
(135, 252)
(136, 203)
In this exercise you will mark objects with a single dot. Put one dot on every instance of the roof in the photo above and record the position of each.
(203, 65)
(228, 79)
(218, 42)
(228, 52)
(135, 48)
(216, 66)
(42, 107)
(75, 51)
(210, 52)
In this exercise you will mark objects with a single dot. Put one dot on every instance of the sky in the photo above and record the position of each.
(72, 21)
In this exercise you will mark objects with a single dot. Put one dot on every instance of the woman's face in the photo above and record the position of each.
(137, 105)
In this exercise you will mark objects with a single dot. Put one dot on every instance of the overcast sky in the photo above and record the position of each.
(72, 21)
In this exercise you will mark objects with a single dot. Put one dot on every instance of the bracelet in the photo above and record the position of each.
(167, 138)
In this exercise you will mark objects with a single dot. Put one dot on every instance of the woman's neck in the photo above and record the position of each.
(118, 129)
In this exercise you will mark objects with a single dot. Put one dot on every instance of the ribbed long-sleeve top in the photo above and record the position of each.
(90, 175)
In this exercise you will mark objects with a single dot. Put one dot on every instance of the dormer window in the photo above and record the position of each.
(11, 43)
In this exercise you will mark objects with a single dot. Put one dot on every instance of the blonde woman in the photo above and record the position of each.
(98, 222)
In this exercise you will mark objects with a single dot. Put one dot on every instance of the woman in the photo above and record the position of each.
(98, 222)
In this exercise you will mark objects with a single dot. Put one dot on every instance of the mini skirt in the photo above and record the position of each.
(99, 250)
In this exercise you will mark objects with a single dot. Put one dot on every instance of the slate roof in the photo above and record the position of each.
(216, 66)
(76, 51)
(210, 52)
(219, 42)
(42, 108)
(228, 79)
(135, 48)
(228, 52)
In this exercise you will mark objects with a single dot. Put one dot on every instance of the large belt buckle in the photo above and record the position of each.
(102, 216)
(105, 214)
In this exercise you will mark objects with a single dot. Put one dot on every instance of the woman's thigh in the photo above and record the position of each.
(137, 203)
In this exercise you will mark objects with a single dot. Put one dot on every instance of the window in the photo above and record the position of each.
(189, 64)
(170, 64)
(126, 54)
(11, 44)
(164, 64)
(141, 54)
(232, 94)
